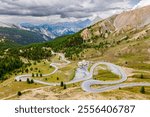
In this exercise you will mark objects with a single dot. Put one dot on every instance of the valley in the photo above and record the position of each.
(101, 86)
(107, 60)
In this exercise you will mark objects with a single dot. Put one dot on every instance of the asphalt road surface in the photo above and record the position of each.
(85, 76)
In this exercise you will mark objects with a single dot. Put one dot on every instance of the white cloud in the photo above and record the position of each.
(142, 3)
(50, 11)
(34, 20)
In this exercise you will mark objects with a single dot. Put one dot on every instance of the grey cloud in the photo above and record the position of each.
(64, 8)
(75, 14)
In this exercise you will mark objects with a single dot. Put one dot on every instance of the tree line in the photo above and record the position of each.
(8, 64)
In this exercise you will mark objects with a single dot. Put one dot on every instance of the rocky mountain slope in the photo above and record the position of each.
(51, 31)
(134, 19)
(126, 22)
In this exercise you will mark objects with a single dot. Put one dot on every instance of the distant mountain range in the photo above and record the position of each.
(13, 33)
(51, 31)
(20, 36)
(8, 25)
(27, 33)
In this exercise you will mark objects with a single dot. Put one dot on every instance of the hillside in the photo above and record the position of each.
(103, 40)
(5, 43)
(104, 34)
(118, 40)
(19, 36)
(134, 19)
(100, 37)
(126, 22)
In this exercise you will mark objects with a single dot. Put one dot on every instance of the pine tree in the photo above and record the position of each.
(28, 81)
(32, 81)
(32, 74)
(26, 70)
(142, 76)
(37, 75)
(65, 86)
(61, 83)
(142, 90)
(31, 69)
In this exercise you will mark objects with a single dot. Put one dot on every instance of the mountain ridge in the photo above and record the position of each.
(20, 36)
(118, 24)
(57, 29)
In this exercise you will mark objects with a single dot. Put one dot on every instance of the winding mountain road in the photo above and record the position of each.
(87, 85)
(26, 76)
(87, 77)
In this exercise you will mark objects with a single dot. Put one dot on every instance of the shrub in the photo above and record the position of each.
(19, 93)
(142, 76)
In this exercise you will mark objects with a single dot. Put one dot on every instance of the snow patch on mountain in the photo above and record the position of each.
(59, 29)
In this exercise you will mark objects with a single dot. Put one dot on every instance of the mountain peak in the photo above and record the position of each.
(96, 19)
(57, 29)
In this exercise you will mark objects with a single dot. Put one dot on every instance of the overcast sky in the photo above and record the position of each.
(52, 11)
